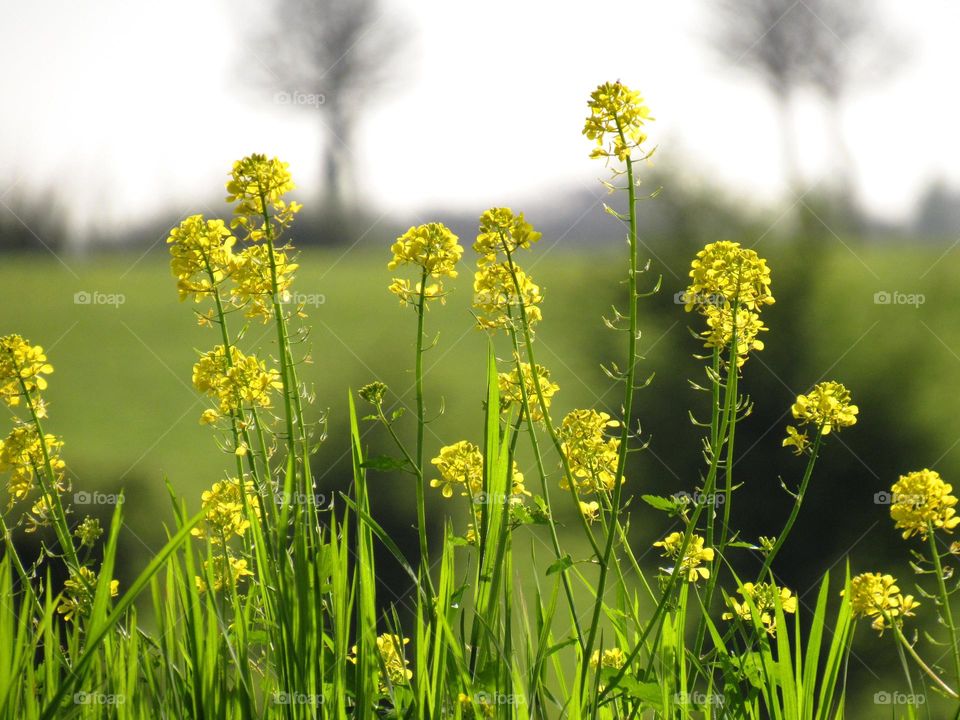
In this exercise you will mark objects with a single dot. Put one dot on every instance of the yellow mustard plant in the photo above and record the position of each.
(21, 455)
(78, 592)
(201, 256)
(244, 380)
(479, 703)
(720, 330)
(797, 440)
(224, 513)
(827, 406)
(88, 531)
(590, 510)
(724, 273)
(922, 497)
(511, 393)
(764, 597)
(461, 465)
(253, 273)
(496, 300)
(435, 250)
(501, 234)
(227, 570)
(591, 454)
(395, 669)
(877, 597)
(22, 367)
(612, 658)
(691, 566)
(257, 185)
(616, 120)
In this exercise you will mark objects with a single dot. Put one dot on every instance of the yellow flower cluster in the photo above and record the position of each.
(616, 120)
(877, 596)
(591, 455)
(511, 392)
(22, 367)
(431, 247)
(395, 669)
(826, 407)
(497, 301)
(253, 274)
(728, 286)
(201, 255)
(502, 232)
(224, 513)
(242, 380)
(720, 330)
(922, 499)
(78, 592)
(612, 658)
(21, 455)
(590, 510)
(764, 597)
(478, 704)
(461, 464)
(257, 185)
(227, 571)
(691, 566)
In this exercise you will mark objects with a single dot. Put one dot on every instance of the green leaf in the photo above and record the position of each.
(661, 503)
(562, 564)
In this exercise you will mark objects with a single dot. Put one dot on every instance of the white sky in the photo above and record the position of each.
(130, 109)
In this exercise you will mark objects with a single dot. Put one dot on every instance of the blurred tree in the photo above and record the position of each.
(333, 57)
(829, 45)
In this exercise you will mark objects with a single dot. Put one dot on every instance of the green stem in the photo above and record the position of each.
(421, 504)
(944, 597)
(798, 501)
(923, 666)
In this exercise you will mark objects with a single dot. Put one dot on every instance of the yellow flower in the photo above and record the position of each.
(720, 330)
(590, 510)
(798, 440)
(511, 393)
(227, 570)
(394, 670)
(431, 246)
(21, 454)
(497, 301)
(257, 185)
(252, 275)
(23, 363)
(201, 254)
(88, 531)
(460, 463)
(502, 232)
(723, 273)
(78, 592)
(409, 293)
(877, 596)
(244, 380)
(827, 406)
(591, 456)
(923, 497)
(223, 509)
(691, 566)
(764, 597)
(613, 658)
(616, 120)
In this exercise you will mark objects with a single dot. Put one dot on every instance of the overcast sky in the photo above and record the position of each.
(132, 109)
